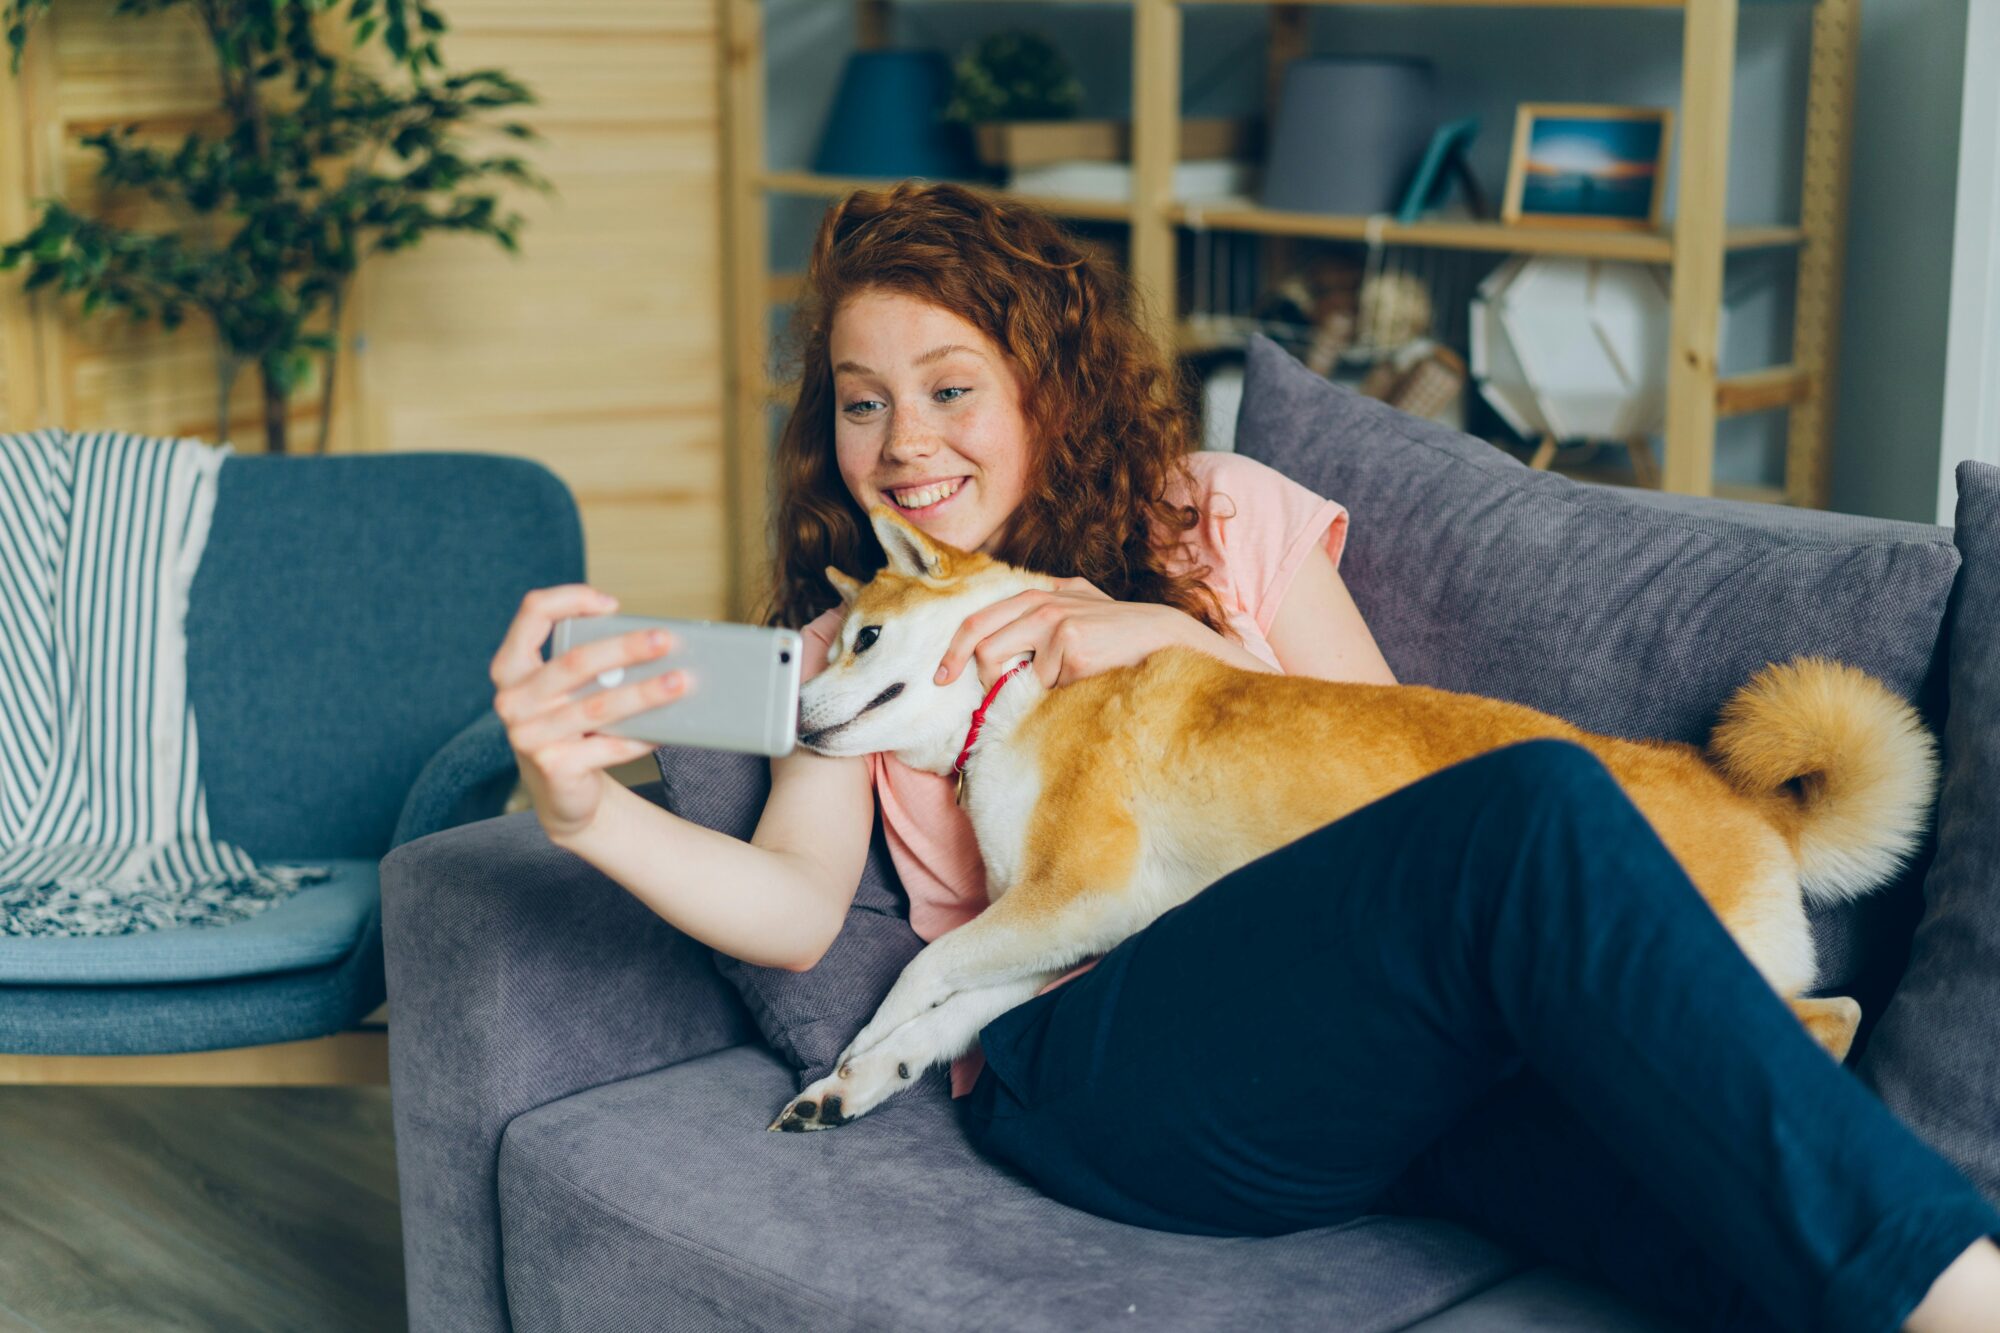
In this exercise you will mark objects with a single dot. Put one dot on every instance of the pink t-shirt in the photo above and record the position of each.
(1254, 543)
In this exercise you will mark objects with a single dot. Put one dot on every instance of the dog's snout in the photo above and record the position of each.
(884, 697)
(811, 739)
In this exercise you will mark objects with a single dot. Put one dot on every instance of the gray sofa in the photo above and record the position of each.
(581, 1096)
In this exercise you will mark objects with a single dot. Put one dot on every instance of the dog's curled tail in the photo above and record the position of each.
(1851, 767)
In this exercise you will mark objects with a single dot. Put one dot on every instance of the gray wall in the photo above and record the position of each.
(1890, 412)
(1487, 60)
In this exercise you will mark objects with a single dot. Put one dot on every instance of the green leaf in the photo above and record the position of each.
(275, 212)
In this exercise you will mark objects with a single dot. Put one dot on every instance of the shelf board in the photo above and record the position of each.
(1470, 4)
(832, 187)
(1420, 4)
(1646, 246)
(1246, 215)
(1431, 5)
(1415, 4)
(1761, 390)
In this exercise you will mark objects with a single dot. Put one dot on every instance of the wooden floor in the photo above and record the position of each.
(212, 1209)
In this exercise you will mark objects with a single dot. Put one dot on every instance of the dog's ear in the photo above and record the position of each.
(848, 588)
(909, 550)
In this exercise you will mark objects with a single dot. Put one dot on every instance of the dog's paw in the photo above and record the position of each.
(809, 1113)
(1832, 1020)
(855, 1087)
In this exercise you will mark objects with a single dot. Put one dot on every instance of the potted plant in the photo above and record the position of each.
(1017, 93)
(1009, 83)
(319, 164)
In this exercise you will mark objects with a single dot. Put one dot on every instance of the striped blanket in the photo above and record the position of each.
(103, 819)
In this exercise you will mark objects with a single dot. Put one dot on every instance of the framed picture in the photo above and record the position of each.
(1581, 165)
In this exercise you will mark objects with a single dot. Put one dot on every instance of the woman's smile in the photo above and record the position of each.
(926, 499)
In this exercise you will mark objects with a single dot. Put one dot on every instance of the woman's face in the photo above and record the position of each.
(927, 418)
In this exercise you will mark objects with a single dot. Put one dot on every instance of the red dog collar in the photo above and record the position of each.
(979, 717)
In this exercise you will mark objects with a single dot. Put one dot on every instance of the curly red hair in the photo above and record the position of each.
(1111, 422)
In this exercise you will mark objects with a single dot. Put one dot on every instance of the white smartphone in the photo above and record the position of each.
(742, 682)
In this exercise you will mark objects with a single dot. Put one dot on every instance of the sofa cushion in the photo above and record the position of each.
(1935, 1057)
(807, 1017)
(1627, 612)
(315, 927)
(211, 1015)
(633, 1204)
(1548, 1299)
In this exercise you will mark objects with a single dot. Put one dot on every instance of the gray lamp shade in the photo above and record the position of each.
(885, 119)
(1349, 131)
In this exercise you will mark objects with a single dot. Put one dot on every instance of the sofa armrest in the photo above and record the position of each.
(518, 974)
(468, 779)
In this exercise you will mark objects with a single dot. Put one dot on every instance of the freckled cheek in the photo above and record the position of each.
(851, 458)
(986, 446)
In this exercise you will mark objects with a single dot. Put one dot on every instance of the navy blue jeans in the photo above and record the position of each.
(1494, 997)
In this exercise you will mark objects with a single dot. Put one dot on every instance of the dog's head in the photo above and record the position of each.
(878, 690)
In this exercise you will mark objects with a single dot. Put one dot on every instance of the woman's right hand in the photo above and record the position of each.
(561, 754)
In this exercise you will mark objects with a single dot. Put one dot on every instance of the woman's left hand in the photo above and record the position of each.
(1074, 631)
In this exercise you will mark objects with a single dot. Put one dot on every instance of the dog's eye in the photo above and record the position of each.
(866, 637)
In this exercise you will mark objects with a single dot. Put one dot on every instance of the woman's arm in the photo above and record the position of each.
(775, 901)
(1319, 631)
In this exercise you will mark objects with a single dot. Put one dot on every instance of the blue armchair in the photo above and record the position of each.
(339, 633)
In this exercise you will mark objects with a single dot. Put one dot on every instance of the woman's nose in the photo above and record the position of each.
(910, 442)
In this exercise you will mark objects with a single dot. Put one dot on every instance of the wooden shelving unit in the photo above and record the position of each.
(1694, 247)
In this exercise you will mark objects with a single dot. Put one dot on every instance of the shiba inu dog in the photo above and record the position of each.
(1102, 804)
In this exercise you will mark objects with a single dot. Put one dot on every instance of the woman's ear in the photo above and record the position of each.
(848, 588)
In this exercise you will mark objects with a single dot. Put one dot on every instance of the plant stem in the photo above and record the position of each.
(225, 375)
(332, 371)
(275, 400)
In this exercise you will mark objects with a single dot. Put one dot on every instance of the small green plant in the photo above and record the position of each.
(317, 165)
(1013, 76)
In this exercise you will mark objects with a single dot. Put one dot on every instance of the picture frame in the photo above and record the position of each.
(1581, 164)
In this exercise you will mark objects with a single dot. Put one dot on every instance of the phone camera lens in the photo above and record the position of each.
(785, 655)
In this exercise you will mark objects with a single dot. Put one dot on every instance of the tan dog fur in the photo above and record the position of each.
(1100, 805)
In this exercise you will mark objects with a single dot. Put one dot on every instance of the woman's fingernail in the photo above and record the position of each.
(940, 676)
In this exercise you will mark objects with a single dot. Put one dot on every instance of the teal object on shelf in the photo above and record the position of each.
(886, 120)
(1443, 160)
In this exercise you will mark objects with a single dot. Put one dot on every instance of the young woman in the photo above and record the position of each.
(1493, 996)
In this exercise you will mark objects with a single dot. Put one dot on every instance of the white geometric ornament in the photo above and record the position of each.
(1495, 368)
(1575, 349)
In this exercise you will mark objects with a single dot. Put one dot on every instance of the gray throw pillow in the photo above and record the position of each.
(1628, 612)
(807, 1017)
(1935, 1057)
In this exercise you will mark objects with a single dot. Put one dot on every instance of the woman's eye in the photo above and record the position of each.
(855, 408)
(866, 637)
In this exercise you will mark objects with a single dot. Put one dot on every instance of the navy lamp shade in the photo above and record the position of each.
(885, 120)
(1349, 132)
